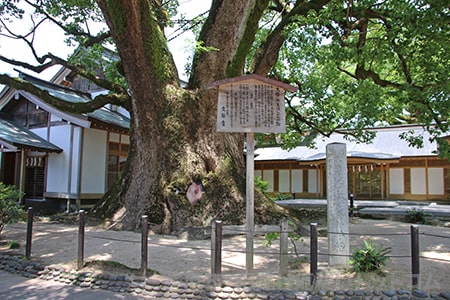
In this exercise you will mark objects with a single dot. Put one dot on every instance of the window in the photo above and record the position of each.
(26, 113)
(115, 167)
(35, 177)
(117, 156)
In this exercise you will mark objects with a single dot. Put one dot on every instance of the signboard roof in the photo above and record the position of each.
(252, 77)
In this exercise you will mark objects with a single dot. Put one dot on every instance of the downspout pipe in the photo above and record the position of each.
(80, 164)
(69, 175)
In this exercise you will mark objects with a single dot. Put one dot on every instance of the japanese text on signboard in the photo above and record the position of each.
(249, 107)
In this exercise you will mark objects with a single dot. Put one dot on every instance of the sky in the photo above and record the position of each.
(50, 38)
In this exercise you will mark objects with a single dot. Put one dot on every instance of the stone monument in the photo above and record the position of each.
(337, 205)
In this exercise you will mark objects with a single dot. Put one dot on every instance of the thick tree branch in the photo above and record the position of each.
(54, 60)
(81, 107)
(37, 69)
(267, 55)
(108, 85)
(237, 64)
(223, 30)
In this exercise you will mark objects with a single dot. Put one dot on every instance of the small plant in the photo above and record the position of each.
(10, 210)
(292, 236)
(13, 245)
(261, 185)
(418, 216)
(280, 196)
(369, 258)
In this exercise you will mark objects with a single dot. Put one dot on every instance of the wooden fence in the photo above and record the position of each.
(218, 231)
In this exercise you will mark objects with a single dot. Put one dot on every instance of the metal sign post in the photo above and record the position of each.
(250, 104)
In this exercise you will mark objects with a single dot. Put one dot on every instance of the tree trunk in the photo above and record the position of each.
(173, 138)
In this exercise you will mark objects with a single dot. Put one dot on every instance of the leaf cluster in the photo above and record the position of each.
(10, 210)
(370, 257)
(362, 64)
(418, 216)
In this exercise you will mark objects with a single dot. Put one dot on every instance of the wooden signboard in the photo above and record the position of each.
(251, 103)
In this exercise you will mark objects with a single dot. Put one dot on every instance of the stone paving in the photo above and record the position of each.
(156, 288)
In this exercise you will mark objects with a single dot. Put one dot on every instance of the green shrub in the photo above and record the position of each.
(369, 258)
(10, 210)
(418, 216)
(280, 196)
(13, 245)
(261, 185)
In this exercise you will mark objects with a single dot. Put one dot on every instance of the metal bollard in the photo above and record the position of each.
(284, 240)
(29, 232)
(80, 259)
(415, 261)
(144, 245)
(313, 253)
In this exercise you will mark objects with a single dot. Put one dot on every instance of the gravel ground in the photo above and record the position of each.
(189, 261)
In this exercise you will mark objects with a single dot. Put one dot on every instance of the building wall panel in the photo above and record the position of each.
(94, 161)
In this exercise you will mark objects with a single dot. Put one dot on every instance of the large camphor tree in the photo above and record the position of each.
(355, 63)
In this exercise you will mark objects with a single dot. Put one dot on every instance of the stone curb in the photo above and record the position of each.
(156, 288)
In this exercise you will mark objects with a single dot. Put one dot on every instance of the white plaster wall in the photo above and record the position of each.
(297, 181)
(268, 176)
(396, 181)
(436, 181)
(418, 181)
(125, 139)
(284, 181)
(54, 118)
(114, 137)
(77, 134)
(313, 185)
(42, 132)
(58, 163)
(93, 176)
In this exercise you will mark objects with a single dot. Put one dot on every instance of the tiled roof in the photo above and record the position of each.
(386, 145)
(103, 114)
(14, 136)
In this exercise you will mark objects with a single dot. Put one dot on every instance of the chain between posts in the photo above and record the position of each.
(216, 246)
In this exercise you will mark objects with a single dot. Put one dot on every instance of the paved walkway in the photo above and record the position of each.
(377, 207)
(15, 287)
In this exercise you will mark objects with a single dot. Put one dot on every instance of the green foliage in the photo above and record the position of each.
(369, 258)
(269, 238)
(395, 72)
(10, 210)
(13, 245)
(418, 216)
(9, 8)
(200, 47)
(280, 196)
(294, 236)
(261, 185)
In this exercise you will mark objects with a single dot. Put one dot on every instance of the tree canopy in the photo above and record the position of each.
(357, 64)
